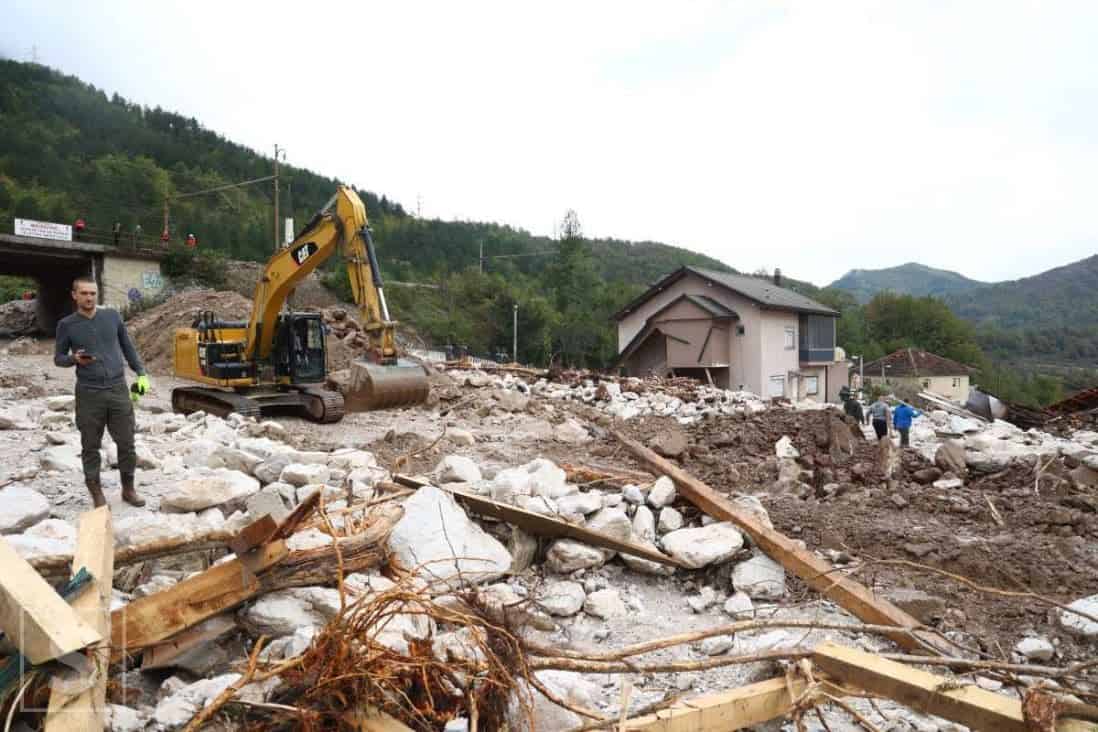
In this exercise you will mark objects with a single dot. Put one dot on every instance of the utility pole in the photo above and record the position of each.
(277, 240)
(165, 229)
(514, 331)
(482, 256)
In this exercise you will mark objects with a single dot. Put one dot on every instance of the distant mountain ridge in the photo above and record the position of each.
(907, 279)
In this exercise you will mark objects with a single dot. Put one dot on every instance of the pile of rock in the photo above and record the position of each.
(625, 398)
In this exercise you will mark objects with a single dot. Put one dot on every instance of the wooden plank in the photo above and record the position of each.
(253, 535)
(95, 551)
(155, 618)
(727, 710)
(814, 571)
(36, 619)
(925, 692)
(164, 654)
(547, 526)
(57, 565)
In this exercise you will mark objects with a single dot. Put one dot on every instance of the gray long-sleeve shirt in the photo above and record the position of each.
(104, 336)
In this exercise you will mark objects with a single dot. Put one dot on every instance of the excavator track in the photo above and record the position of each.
(313, 403)
(323, 406)
(188, 399)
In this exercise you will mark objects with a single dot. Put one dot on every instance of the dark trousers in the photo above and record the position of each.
(880, 427)
(904, 431)
(111, 409)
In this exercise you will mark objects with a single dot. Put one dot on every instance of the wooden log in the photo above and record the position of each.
(153, 619)
(253, 535)
(547, 526)
(164, 654)
(157, 617)
(745, 706)
(57, 566)
(94, 551)
(925, 692)
(814, 571)
(34, 617)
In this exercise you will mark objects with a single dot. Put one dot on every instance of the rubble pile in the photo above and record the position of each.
(153, 331)
(526, 571)
(18, 318)
(625, 398)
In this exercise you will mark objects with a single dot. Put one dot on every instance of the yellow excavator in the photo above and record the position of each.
(276, 362)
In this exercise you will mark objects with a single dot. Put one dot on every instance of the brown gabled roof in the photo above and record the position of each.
(762, 291)
(913, 362)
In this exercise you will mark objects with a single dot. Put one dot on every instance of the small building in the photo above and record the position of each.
(737, 331)
(918, 370)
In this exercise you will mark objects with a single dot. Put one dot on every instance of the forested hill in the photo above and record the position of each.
(1051, 317)
(907, 279)
(69, 150)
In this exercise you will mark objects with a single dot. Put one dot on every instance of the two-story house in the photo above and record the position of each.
(740, 332)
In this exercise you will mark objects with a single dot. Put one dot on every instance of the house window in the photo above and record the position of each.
(956, 382)
(790, 338)
(811, 385)
(777, 386)
(740, 330)
(926, 383)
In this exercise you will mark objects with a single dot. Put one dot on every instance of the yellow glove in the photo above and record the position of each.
(139, 388)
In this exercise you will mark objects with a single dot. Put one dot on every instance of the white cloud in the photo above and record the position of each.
(812, 136)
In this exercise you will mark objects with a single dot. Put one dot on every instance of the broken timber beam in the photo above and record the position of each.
(155, 618)
(58, 565)
(86, 710)
(817, 573)
(34, 617)
(547, 526)
(925, 692)
(745, 706)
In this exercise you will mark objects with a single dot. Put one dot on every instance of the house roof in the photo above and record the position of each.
(709, 305)
(913, 362)
(762, 291)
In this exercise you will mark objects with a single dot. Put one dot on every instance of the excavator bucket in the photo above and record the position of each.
(372, 386)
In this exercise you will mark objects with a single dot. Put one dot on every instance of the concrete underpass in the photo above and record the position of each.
(123, 276)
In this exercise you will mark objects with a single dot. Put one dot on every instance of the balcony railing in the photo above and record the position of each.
(817, 355)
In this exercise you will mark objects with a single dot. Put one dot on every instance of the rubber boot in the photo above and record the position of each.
(96, 491)
(129, 493)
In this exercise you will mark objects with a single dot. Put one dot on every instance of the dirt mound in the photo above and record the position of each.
(153, 331)
(311, 294)
(18, 318)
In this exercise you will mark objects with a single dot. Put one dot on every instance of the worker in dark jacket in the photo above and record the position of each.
(853, 408)
(901, 420)
(95, 341)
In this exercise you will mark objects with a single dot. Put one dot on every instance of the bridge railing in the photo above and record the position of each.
(125, 240)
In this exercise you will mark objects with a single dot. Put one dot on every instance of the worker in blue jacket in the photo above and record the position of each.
(901, 420)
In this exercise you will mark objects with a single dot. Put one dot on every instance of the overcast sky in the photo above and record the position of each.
(816, 137)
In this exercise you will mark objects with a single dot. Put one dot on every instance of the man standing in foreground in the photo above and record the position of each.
(95, 341)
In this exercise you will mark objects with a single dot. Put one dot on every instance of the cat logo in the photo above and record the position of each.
(303, 252)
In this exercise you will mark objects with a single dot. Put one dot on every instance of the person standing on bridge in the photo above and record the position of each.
(95, 340)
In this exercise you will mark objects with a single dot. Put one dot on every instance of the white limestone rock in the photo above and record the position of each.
(281, 612)
(605, 604)
(436, 538)
(63, 458)
(234, 459)
(301, 474)
(579, 504)
(1035, 649)
(710, 544)
(459, 436)
(176, 709)
(717, 645)
(208, 488)
(571, 432)
(784, 448)
(20, 508)
(567, 555)
(61, 403)
(634, 494)
(456, 469)
(1078, 625)
(271, 468)
(739, 605)
(670, 520)
(662, 493)
(760, 578)
(644, 525)
(563, 598)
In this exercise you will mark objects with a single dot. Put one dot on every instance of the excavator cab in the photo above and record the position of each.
(298, 350)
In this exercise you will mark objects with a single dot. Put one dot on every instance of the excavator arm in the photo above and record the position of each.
(341, 224)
